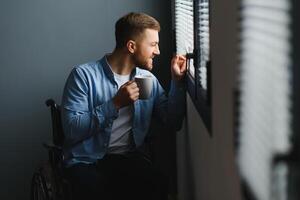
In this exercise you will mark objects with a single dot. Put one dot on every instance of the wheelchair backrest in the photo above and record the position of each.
(57, 130)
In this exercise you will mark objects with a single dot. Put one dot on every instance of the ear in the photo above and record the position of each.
(131, 46)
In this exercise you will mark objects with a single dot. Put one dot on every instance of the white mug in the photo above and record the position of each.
(144, 83)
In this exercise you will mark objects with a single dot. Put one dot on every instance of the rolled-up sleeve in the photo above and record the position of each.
(80, 120)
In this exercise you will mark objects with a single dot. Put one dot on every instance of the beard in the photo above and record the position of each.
(142, 62)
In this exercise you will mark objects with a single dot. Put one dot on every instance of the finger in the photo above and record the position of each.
(130, 85)
(127, 83)
(182, 64)
(174, 59)
(134, 91)
(135, 96)
(133, 85)
(181, 57)
(183, 68)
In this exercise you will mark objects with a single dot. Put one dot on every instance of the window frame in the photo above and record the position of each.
(201, 98)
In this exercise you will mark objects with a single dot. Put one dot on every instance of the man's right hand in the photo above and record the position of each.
(126, 95)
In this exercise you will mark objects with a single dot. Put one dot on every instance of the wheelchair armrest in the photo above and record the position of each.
(55, 152)
(51, 146)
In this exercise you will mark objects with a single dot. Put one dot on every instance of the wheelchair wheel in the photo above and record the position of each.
(47, 185)
(39, 188)
(43, 185)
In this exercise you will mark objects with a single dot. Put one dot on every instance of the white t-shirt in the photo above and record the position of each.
(121, 140)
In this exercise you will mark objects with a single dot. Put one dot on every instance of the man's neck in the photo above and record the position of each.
(120, 62)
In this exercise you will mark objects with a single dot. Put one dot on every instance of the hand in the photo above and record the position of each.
(178, 67)
(126, 95)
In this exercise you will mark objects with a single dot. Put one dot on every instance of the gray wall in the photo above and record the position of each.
(40, 42)
(207, 168)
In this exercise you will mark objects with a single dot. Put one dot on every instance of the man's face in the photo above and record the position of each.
(146, 49)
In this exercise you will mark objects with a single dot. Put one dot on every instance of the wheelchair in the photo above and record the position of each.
(48, 182)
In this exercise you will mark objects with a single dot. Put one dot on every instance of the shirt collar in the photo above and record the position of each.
(106, 67)
(109, 73)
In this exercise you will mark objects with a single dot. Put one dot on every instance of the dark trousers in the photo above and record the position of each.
(117, 177)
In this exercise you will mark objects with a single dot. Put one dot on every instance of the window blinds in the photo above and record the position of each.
(184, 27)
(265, 95)
(203, 35)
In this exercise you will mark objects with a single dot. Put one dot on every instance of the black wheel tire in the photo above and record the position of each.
(39, 190)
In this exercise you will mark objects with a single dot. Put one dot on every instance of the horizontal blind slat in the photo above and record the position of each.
(269, 4)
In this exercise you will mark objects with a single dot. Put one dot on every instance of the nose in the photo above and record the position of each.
(156, 51)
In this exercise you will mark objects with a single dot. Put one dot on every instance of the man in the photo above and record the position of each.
(105, 122)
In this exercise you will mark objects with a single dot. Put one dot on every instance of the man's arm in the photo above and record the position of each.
(171, 109)
(80, 121)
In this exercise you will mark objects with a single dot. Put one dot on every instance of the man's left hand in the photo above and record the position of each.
(178, 67)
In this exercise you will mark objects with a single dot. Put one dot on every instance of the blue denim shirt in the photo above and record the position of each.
(88, 111)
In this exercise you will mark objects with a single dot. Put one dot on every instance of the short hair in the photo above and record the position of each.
(132, 25)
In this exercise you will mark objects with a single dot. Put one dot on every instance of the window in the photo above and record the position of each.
(204, 42)
(192, 39)
(184, 27)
